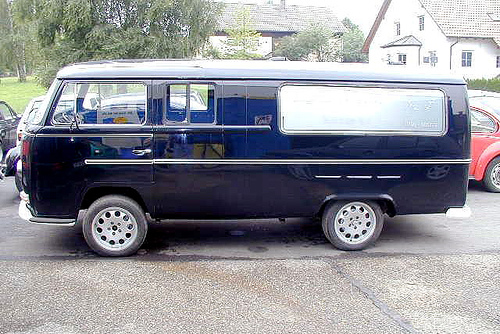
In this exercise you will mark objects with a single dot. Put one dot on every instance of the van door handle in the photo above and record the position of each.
(142, 152)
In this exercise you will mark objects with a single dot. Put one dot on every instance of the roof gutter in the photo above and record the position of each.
(451, 51)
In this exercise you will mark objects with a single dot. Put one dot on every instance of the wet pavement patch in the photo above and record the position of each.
(258, 249)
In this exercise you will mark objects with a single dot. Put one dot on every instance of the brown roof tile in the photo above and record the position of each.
(465, 18)
(276, 18)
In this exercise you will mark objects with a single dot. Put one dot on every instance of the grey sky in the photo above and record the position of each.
(361, 12)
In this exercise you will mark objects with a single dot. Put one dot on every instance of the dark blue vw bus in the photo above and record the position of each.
(122, 143)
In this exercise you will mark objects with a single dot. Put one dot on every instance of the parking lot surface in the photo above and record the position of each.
(426, 274)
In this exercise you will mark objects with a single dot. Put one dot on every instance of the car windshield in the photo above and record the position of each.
(38, 114)
(488, 103)
(32, 114)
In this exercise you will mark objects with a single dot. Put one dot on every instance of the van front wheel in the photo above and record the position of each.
(115, 226)
(352, 225)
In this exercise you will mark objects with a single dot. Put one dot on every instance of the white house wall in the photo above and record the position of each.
(433, 40)
(484, 57)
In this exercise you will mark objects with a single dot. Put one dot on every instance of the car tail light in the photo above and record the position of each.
(25, 162)
(25, 148)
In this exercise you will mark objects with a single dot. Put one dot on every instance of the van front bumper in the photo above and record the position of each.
(26, 213)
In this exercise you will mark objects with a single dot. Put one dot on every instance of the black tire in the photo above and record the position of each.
(19, 182)
(358, 225)
(115, 225)
(491, 179)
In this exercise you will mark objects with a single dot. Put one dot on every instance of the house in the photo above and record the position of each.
(458, 35)
(276, 21)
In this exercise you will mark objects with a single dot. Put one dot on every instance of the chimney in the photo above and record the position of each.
(282, 4)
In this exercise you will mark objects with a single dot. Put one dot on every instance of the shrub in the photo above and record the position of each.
(492, 85)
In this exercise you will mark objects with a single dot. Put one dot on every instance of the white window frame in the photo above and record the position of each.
(402, 56)
(421, 23)
(467, 60)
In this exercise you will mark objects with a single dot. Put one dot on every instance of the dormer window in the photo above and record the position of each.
(421, 23)
(397, 26)
(495, 17)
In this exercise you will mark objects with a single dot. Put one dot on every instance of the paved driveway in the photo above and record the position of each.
(426, 274)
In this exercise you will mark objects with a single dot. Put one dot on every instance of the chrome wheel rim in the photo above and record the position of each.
(495, 176)
(114, 228)
(355, 223)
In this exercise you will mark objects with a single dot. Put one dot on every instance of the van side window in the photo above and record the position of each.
(65, 107)
(199, 108)
(317, 109)
(102, 103)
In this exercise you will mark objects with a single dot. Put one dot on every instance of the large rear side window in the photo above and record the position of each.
(319, 109)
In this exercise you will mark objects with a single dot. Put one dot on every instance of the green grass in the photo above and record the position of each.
(18, 94)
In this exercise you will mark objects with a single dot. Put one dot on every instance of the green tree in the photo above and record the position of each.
(317, 43)
(16, 36)
(352, 42)
(243, 40)
(80, 30)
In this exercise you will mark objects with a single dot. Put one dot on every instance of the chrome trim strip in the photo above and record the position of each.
(273, 162)
(91, 135)
(119, 162)
(365, 177)
(211, 126)
(310, 161)
(382, 177)
(53, 221)
(246, 127)
(328, 176)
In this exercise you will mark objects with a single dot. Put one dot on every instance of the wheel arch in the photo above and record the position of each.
(490, 153)
(95, 193)
(386, 202)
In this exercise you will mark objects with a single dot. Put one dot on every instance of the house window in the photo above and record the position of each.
(466, 58)
(398, 28)
(402, 58)
(421, 23)
(498, 61)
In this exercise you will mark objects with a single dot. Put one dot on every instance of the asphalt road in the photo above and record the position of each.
(426, 274)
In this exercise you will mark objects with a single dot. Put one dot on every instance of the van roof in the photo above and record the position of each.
(247, 69)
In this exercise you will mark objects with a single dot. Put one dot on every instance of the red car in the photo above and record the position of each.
(485, 118)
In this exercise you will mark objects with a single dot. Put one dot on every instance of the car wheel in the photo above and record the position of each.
(491, 178)
(115, 226)
(352, 225)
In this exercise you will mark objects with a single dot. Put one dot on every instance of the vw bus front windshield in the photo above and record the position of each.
(44, 106)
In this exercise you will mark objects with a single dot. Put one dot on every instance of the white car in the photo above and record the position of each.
(28, 115)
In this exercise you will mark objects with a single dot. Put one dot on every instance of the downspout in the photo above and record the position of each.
(451, 51)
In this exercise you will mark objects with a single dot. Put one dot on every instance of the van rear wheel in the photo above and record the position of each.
(115, 226)
(352, 225)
